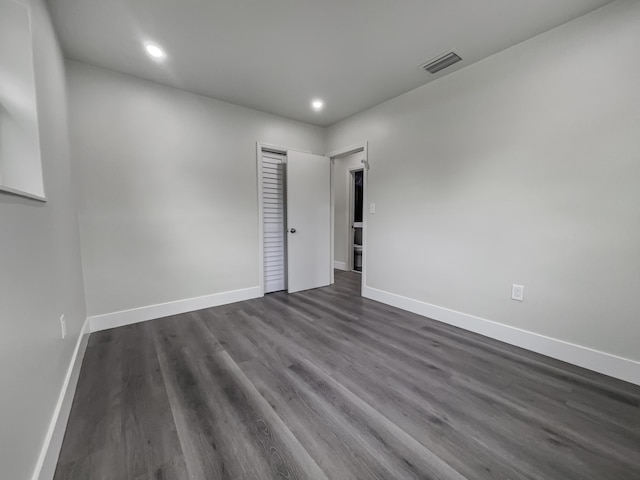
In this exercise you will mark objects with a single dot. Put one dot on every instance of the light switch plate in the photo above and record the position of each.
(517, 293)
(372, 208)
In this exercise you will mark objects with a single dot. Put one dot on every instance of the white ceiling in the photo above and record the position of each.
(277, 55)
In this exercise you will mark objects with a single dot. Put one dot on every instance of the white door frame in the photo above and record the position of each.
(260, 146)
(364, 148)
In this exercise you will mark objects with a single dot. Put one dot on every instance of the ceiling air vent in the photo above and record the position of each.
(441, 63)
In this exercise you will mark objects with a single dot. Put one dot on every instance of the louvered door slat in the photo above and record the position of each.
(273, 213)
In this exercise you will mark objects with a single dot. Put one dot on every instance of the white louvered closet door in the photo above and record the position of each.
(273, 191)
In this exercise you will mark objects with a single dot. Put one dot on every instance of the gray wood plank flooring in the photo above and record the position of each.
(324, 384)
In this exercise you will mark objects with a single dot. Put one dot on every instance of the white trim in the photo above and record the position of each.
(48, 458)
(365, 215)
(280, 149)
(364, 148)
(22, 193)
(259, 148)
(601, 362)
(151, 312)
(340, 266)
(332, 218)
(343, 152)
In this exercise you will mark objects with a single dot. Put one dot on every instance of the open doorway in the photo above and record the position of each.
(349, 180)
(356, 205)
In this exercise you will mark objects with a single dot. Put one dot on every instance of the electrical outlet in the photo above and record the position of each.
(63, 326)
(517, 293)
(372, 208)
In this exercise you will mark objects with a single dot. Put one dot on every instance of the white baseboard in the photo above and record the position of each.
(48, 459)
(601, 362)
(340, 265)
(151, 312)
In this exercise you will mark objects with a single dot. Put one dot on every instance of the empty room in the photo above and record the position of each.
(340, 239)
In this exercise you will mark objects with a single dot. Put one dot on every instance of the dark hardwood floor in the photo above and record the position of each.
(325, 384)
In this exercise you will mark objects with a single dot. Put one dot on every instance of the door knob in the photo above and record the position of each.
(293, 230)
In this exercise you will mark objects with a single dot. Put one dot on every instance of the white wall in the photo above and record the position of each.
(342, 228)
(40, 276)
(168, 202)
(523, 168)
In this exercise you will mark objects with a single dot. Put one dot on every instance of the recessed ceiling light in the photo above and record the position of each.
(317, 105)
(155, 51)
